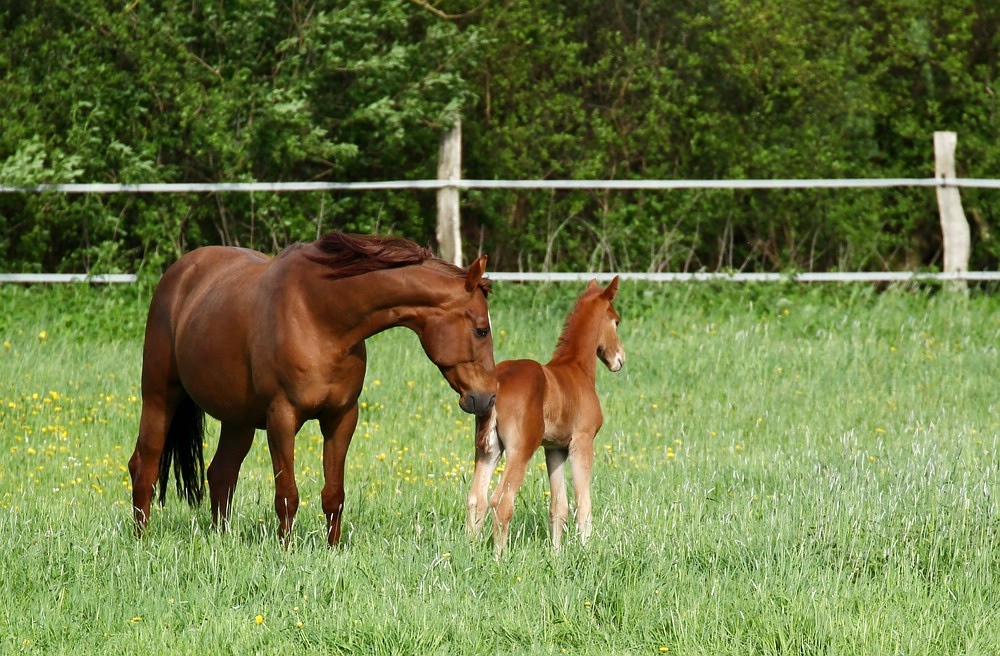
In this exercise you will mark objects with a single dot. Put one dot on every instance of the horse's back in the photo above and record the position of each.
(206, 267)
(208, 271)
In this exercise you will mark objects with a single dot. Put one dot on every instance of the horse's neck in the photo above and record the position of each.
(390, 298)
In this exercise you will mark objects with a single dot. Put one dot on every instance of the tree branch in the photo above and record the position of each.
(423, 4)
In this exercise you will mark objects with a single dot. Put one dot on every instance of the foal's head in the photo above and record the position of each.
(609, 347)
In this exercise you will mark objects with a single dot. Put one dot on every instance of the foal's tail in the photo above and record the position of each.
(183, 448)
(486, 429)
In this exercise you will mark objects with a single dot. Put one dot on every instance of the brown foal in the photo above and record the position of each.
(554, 406)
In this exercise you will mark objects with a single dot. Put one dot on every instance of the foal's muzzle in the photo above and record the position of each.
(477, 403)
(613, 361)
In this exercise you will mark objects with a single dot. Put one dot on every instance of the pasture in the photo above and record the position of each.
(782, 469)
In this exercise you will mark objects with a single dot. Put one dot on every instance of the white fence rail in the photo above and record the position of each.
(831, 276)
(662, 277)
(102, 278)
(384, 185)
(945, 182)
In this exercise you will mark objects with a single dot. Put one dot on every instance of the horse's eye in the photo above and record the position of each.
(482, 332)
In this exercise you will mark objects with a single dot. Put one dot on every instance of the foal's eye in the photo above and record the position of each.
(482, 332)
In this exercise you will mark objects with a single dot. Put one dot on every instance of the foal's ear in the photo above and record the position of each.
(611, 290)
(475, 274)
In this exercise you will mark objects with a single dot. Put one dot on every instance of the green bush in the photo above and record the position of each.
(166, 91)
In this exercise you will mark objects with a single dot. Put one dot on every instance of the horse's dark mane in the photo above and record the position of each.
(352, 255)
(346, 255)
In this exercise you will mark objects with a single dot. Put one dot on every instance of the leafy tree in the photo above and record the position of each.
(163, 90)
(174, 92)
(730, 89)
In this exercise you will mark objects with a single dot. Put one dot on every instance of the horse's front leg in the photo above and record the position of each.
(282, 425)
(338, 429)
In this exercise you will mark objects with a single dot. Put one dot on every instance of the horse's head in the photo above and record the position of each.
(609, 346)
(457, 337)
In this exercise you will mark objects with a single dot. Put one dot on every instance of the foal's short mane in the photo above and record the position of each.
(571, 327)
(346, 255)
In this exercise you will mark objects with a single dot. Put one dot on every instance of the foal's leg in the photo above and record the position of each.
(558, 504)
(503, 497)
(282, 425)
(488, 452)
(337, 433)
(581, 460)
(234, 444)
(486, 464)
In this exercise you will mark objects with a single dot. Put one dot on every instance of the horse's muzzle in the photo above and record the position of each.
(477, 403)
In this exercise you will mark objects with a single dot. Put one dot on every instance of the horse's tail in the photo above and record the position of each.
(183, 448)
(486, 429)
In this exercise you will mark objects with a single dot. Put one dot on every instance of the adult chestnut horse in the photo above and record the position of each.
(270, 343)
(554, 406)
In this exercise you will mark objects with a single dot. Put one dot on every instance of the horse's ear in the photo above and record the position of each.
(611, 290)
(592, 285)
(475, 274)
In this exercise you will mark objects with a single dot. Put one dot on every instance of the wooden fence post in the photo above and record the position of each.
(449, 236)
(954, 226)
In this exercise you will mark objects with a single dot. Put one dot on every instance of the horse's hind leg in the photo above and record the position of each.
(234, 444)
(161, 394)
(558, 504)
(159, 403)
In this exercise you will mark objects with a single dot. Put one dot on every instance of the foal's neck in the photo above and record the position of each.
(577, 344)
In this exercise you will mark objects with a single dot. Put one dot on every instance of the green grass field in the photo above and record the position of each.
(782, 470)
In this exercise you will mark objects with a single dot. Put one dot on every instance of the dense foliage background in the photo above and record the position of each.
(258, 90)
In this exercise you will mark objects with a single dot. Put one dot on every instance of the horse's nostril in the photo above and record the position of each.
(478, 403)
